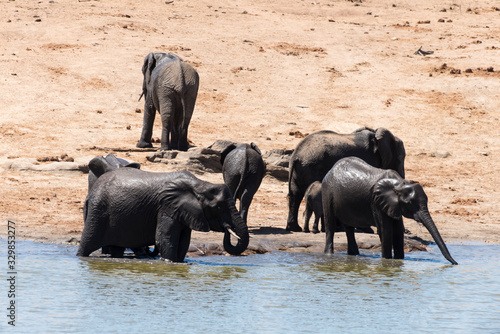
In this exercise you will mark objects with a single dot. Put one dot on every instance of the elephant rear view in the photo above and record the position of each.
(170, 86)
(316, 154)
(243, 170)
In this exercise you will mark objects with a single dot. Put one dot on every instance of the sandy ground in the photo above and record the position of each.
(71, 77)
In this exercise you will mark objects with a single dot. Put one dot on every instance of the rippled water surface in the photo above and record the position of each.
(57, 292)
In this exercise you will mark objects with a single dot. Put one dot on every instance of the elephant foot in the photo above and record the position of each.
(293, 228)
(315, 231)
(143, 144)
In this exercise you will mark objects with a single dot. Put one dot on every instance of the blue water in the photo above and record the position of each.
(57, 292)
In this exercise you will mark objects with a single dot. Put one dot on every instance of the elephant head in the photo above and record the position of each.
(398, 198)
(203, 206)
(151, 61)
(391, 151)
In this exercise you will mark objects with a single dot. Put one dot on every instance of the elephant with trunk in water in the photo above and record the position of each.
(131, 208)
(316, 154)
(170, 86)
(358, 195)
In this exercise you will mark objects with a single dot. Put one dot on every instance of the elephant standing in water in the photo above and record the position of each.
(170, 86)
(358, 195)
(243, 170)
(316, 154)
(131, 208)
(97, 167)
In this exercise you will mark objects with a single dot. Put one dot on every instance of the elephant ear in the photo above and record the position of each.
(147, 68)
(185, 204)
(225, 152)
(386, 197)
(113, 161)
(384, 140)
(136, 165)
(255, 148)
(99, 165)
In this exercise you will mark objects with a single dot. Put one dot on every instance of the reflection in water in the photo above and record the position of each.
(268, 293)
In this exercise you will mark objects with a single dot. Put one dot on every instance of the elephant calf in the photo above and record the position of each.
(313, 204)
(358, 195)
(131, 208)
(243, 170)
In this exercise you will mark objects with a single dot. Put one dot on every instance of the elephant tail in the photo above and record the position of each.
(241, 184)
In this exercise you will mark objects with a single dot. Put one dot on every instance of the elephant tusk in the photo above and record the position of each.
(142, 94)
(233, 233)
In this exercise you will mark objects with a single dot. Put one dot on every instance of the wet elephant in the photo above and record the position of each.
(358, 195)
(131, 208)
(316, 154)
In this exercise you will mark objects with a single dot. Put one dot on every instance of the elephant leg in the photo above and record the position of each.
(92, 235)
(168, 236)
(386, 237)
(398, 239)
(166, 114)
(352, 246)
(307, 217)
(147, 125)
(315, 224)
(117, 251)
(189, 102)
(105, 250)
(184, 241)
(331, 222)
(322, 223)
(294, 200)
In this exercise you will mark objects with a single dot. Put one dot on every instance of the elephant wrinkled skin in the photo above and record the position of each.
(316, 154)
(358, 195)
(131, 208)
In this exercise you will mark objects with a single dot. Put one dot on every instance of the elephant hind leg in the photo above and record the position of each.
(352, 246)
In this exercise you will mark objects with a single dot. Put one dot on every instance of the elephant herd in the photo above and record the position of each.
(350, 181)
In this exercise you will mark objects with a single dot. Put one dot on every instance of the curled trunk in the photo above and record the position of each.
(241, 230)
(426, 220)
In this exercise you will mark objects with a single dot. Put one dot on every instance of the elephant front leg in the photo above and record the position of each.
(147, 125)
(386, 237)
(398, 239)
(168, 238)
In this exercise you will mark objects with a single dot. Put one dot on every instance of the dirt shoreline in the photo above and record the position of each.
(270, 73)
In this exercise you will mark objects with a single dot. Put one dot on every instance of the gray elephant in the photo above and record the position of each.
(131, 208)
(243, 170)
(314, 204)
(316, 154)
(97, 167)
(358, 195)
(170, 86)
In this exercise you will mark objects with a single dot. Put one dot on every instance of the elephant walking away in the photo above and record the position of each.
(313, 204)
(243, 170)
(131, 208)
(170, 86)
(316, 154)
(359, 195)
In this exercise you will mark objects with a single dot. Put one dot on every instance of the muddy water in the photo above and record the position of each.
(270, 293)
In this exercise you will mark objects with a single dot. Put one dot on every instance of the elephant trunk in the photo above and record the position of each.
(238, 227)
(425, 218)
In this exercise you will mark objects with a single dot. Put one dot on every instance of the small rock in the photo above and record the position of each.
(440, 154)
